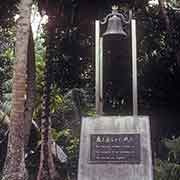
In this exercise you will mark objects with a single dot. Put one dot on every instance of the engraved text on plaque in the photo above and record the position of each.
(115, 148)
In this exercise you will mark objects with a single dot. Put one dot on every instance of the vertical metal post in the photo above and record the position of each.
(97, 65)
(134, 68)
(101, 76)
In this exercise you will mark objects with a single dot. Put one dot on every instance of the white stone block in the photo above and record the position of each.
(109, 170)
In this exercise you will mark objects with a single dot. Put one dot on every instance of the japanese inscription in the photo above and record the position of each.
(115, 148)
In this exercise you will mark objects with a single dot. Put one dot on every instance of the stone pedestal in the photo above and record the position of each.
(115, 148)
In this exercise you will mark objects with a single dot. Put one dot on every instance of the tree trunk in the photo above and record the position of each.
(47, 168)
(31, 88)
(1, 95)
(164, 13)
(14, 168)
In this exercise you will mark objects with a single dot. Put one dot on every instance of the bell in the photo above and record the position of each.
(114, 27)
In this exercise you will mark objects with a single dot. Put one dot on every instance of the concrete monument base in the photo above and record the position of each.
(115, 148)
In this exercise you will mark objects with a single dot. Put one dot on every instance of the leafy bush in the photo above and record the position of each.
(169, 169)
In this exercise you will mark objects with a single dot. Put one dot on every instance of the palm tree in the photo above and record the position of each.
(14, 168)
(31, 88)
(47, 168)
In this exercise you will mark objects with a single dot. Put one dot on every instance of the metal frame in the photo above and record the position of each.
(99, 65)
(99, 69)
(134, 68)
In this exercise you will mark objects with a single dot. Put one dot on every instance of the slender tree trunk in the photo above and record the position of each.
(47, 168)
(1, 94)
(14, 168)
(31, 88)
(164, 13)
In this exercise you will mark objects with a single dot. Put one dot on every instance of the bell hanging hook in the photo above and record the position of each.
(116, 13)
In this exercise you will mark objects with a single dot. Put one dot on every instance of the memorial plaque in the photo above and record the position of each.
(115, 148)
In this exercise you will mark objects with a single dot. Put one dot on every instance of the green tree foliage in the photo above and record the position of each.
(169, 167)
(8, 9)
(159, 69)
(6, 61)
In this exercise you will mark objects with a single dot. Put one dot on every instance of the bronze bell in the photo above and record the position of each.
(114, 27)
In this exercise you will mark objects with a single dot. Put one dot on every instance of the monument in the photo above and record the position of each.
(115, 147)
